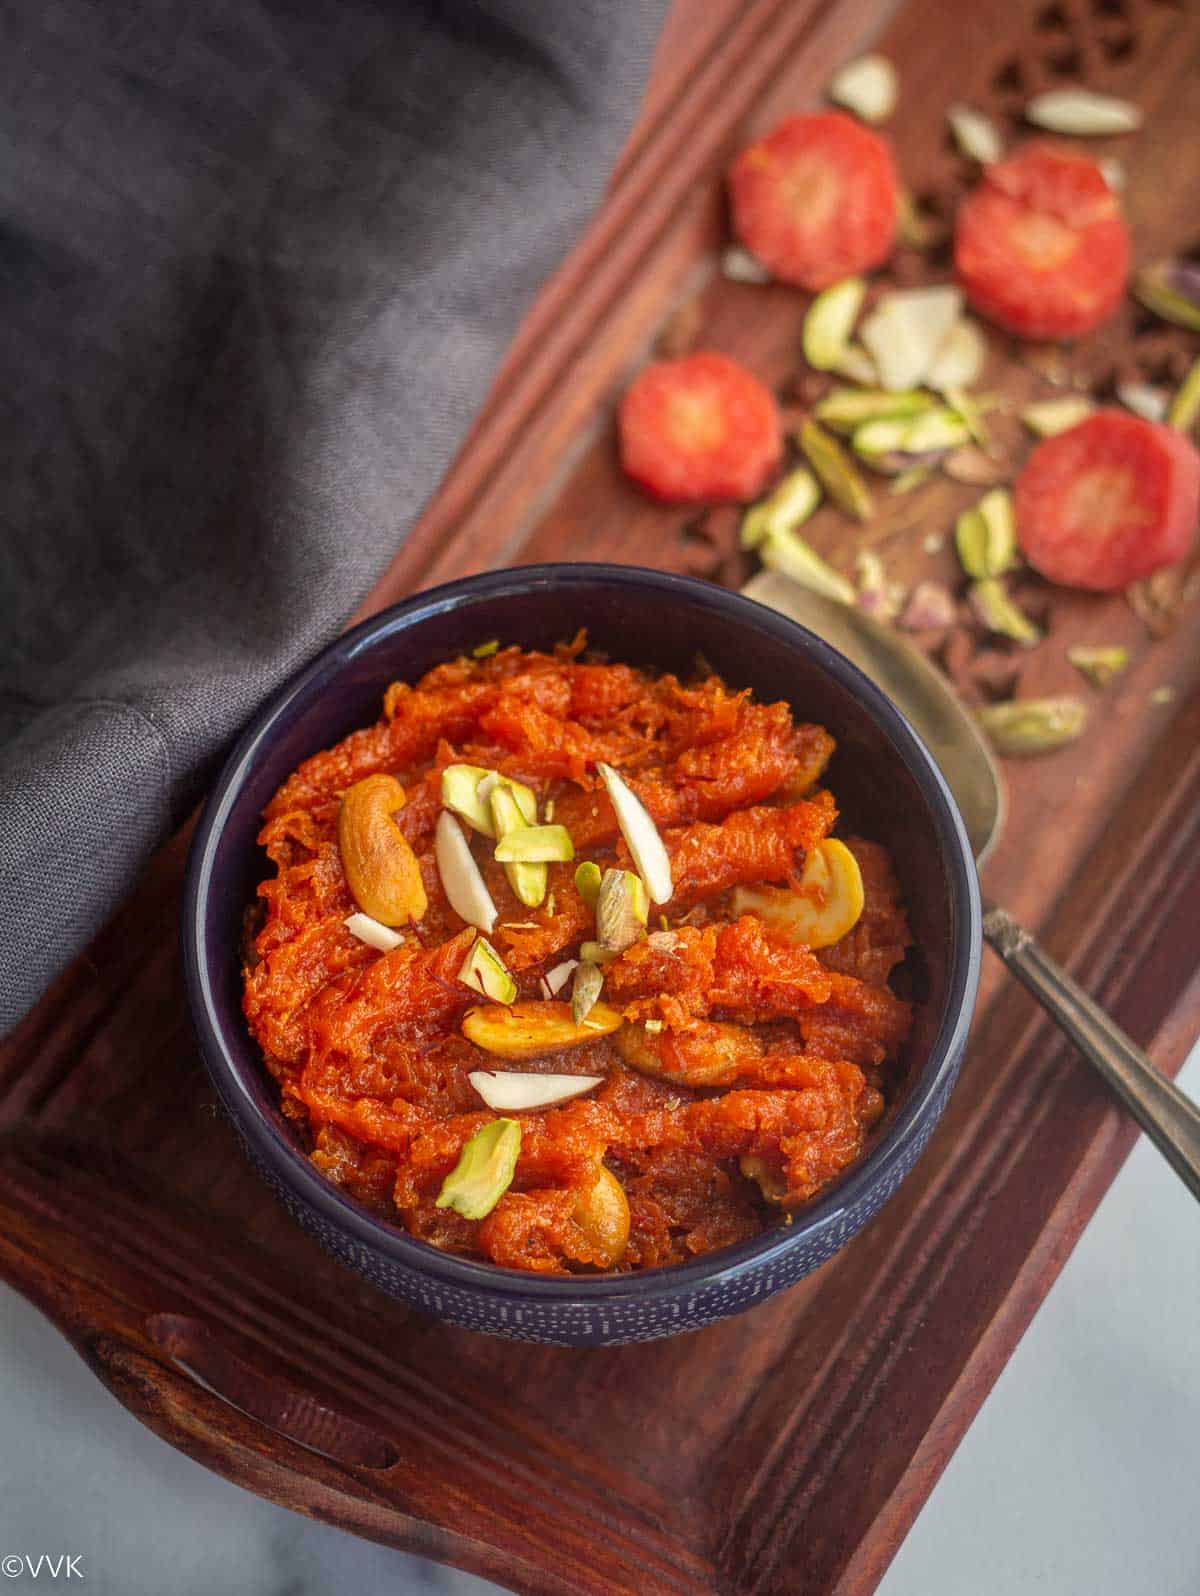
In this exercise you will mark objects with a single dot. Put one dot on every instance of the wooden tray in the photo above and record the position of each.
(789, 1449)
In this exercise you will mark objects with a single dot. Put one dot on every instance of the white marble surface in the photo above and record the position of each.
(1077, 1479)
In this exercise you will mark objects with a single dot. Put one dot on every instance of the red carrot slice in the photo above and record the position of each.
(816, 200)
(699, 428)
(1040, 246)
(1108, 501)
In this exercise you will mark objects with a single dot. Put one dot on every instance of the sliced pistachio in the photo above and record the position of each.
(876, 595)
(847, 409)
(868, 87)
(1171, 289)
(1051, 416)
(905, 331)
(960, 359)
(1144, 400)
(936, 430)
(585, 991)
(483, 970)
(892, 446)
(1082, 113)
(830, 322)
(536, 845)
(622, 909)
(970, 414)
(595, 953)
(1163, 695)
(855, 363)
(986, 536)
(975, 134)
(1185, 406)
(484, 1170)
(528, 881)
(791, 556)
(640, 834)
(464, 886)
(784, 509)
(465, 789)
(740, 266)
(1100, 664)
(1031, 726)
(587, 882)
(835, 470)
(912, 477)
(486, 650)
(991, 602)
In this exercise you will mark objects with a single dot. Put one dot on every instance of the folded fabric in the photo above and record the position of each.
(258, 261)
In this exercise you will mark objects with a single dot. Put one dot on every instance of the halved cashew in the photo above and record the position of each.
(711, 1054)
(603, 1215)
(381, 868)
(527, 1030)
(824, 907)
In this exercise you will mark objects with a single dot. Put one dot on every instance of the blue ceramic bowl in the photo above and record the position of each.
(887, 786)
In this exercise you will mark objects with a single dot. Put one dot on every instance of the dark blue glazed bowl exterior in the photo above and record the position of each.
(887, 786)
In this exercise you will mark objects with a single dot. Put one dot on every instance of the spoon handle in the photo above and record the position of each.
(1171, 1120)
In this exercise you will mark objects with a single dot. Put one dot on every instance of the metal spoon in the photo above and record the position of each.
(1171, 1120)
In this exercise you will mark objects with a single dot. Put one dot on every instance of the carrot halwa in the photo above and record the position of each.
(702, 1068)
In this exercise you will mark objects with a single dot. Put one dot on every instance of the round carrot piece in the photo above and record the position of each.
(699, 428)
(816, 200)
(1108, 501)
(1040, 246)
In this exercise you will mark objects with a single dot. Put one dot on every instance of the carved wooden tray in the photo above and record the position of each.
(791, 1448)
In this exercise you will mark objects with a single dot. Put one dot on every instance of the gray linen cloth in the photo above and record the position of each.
(258, 261)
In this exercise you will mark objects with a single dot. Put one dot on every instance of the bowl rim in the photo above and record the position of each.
(374, 1234)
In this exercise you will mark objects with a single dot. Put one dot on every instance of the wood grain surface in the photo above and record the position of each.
(786, 1451)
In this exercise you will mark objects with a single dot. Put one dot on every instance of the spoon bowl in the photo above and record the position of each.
(954, 738)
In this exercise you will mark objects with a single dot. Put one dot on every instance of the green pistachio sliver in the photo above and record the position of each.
(528, 881)
(1167, 290)
(1051, 416)
(460, 792)
(587, 882)
(912, 478)
(536, 845)
(1185, 406)
(936, 429)
(830, 322)
(585, 991)
(484, 1170)
(788, 506)
(854, 362)
(483, 970)
(791, 556)
(986, 536)
(622, 909)
(1098, 663)
(991, 602)
(846, 409)
(1031, 726)
(835, 470)
(486, 650)
(972, 417)
(595, 953)
(885, 436)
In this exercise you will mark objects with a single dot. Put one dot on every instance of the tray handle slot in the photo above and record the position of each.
(282, 1407)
